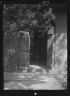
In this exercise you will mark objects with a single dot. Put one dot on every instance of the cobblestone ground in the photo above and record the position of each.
(34, 80)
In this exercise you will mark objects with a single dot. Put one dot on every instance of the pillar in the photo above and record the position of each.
(50, 49)
(24, 49)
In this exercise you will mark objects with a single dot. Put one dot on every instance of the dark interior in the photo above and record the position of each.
(38, 49)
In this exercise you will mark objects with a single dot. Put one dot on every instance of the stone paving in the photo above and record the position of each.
(31, 81)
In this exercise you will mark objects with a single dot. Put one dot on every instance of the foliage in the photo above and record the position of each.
(18, 17)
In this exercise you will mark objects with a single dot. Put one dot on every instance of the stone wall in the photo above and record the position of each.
(24, 50)
(16, 52)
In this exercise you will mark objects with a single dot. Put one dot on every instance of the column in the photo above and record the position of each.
(50, 48)
(24, 49)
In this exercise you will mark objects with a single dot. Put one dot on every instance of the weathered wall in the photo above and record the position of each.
(16, 52)
(10, 53)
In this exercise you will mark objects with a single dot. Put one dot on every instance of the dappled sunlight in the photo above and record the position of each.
(38, 78)
(60, 69)
(61, 52)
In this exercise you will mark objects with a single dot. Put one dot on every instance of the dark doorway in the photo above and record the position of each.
(38, 49)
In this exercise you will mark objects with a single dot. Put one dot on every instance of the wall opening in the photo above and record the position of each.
(41, 48)
(38, 49)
